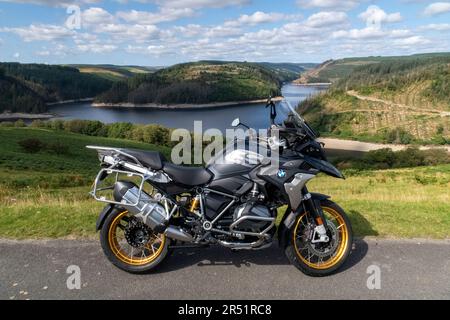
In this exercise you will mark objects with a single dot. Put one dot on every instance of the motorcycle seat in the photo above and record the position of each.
(188, 176)
(151, 159)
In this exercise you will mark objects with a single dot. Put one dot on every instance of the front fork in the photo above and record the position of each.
(315, 210)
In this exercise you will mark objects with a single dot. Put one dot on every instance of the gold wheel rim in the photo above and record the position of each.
(343, 236)
(134, 256)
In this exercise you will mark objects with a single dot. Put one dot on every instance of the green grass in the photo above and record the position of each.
(46, 196)
(401, 203)
(79, 160)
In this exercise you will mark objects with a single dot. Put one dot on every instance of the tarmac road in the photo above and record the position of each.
(409, 269)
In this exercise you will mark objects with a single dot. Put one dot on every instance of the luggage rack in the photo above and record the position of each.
(103, 174)
(118, 151)
(109, 155)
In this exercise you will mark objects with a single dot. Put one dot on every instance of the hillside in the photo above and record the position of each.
(334, 70)
(114, 72)
(198, 82)
(401, 100)
(15, 96)
(287, 71)
(28, 87)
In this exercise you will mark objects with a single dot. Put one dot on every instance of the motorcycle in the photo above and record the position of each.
(154, 206)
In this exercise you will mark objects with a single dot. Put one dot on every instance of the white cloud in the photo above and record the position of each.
(375, 16)
(435, 27)
(198, 4)
(95, 16)
(55, 50)
(152, 50)
(16, 55)
(335, 4)
(326, 19)
(359, 34)
(40, 32)
(96, 48)
(411, 41)
(222, 31)
(437, 8)
(127, 32)
(256, 18)
(54, 3)
(164, 15)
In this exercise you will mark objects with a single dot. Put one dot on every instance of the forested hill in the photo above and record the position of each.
(198, 82)
(402, 100)
(335, 70)
(28, 87)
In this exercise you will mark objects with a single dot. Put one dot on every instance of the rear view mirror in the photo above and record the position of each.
(236, 122)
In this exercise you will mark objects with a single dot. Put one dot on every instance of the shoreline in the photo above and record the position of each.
(69, 101)
(182, 106)
(313, 84)
(9, 116)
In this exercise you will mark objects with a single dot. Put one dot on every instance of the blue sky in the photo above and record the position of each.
(164, 32)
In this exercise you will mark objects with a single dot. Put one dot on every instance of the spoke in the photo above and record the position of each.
(132, 249)
(120, 245)
(340, 226)
(333, 218)
(303, 223)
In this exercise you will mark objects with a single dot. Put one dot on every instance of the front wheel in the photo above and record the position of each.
(130, 245)
(320, 259)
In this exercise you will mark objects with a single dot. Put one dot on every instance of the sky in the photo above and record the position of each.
(165, 32)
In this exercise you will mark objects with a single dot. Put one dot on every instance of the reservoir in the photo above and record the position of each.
(254, 115)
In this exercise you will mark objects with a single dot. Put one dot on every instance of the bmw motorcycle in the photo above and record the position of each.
(242, 200)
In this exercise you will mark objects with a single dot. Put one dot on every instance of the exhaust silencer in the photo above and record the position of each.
(178, 234)
(149, 210)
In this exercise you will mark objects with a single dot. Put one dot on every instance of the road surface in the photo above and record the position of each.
(361, 147)
(408, 270)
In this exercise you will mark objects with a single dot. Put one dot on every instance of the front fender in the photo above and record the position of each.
(289, 218)
(102, 216)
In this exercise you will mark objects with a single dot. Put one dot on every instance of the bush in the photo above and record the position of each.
(381, 157)
(31, 145)
(386, 159)
(56, 124)
(399, 135)
(19, 123)
(58, 148)
(436, 156)
(119, 130)
(6, 124)
(38, 124)
(411, 157)
(156, 134)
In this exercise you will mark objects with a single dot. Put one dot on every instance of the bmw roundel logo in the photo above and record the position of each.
(281, 173)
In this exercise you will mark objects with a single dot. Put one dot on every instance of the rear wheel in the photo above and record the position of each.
(320, 259)
(130, 245)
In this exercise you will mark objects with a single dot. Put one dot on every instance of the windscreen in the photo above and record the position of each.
(296, 115)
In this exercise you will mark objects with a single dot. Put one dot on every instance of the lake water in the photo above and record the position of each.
(254, 115)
